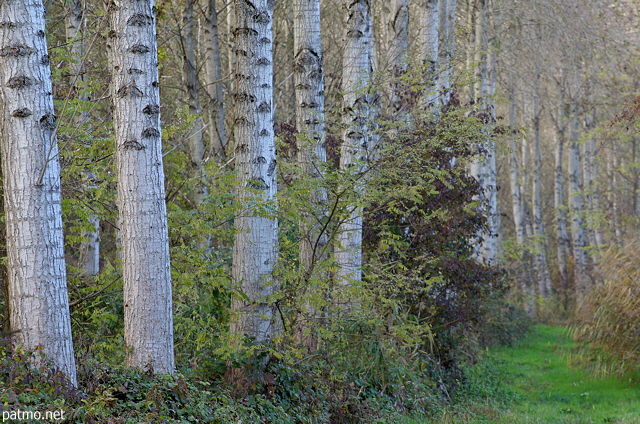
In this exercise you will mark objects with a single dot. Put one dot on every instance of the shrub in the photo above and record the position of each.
(608, 318)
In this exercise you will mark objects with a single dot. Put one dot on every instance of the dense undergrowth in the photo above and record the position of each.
(358, 382)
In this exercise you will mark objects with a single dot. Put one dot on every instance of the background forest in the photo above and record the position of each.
(361, 197)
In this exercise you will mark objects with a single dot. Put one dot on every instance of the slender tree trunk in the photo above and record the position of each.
(491, 164)
(89, 260)
(310, 125)
(516, 201)
(357, 140)
(590, 170)
(427, 16)
(38, 300)
(255, 245)
(560, 210)
(229, 101)
(484, 167)
(471, 46)
(517, 205)
(393, 54)
(576, 210)
(544, 283)
(141, 195)
(599, 238)
(195, 135)
(614, 164)
(213, 81)
(447, 11)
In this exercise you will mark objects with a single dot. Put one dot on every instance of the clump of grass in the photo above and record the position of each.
(608, 319)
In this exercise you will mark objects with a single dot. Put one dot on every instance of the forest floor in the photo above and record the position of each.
(535, 381)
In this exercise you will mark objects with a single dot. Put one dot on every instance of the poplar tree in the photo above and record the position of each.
(38, 300)
(312, 155)
(357, 139)
(255, 244)
(141, 194)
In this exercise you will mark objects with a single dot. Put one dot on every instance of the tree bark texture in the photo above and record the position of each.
(544, 283)
(561, 217)
(357, 140)
(195, 135)
(426, 14)
(310, 124)
(255, 244)
(38, 300)
(447, 12)
(141, 194)
(393, 54)
(213, 82)
(581, 278)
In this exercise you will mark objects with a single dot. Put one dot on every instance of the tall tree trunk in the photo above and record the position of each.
(229, 101)
(393, 54)
(255, 244)
(141, 195)
(427, 16)
(196, 133)
(560, 208)
(581, 282)
(89, 260)
(195, 136)
(590, 171)
(544, 282)
(484, 167)
(614, 164)
(517, 205)
(357, 140)
(516, 201)
(213, 81)
(471, 47)
(491, 164)
(310, 125)
(447, 12)
(38, 300)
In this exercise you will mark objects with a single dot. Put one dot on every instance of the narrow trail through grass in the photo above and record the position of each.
(534, 382)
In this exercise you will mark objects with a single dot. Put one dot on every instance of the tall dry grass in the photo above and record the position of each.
(608, 319)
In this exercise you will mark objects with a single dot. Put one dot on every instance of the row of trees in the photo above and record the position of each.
(37, 298)
(227, 72)
(142, 235)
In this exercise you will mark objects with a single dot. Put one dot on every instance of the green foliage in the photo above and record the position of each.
(607, 319)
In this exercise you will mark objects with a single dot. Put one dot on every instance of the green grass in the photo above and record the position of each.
(534, 382)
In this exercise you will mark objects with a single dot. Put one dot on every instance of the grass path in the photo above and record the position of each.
(533, 382)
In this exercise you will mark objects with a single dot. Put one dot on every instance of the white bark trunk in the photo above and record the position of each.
(141, 195)
(544, 282)
(447, 11)
(614, 164)
(357, 140)
(492, 171)
(575, 207)
(195, 136)
(213, 81)
(38, 300)
(255, 245)
(428, 19)
(561, 215)
(590, 169)
(310, 124)
(516, 201)
(393, 54)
